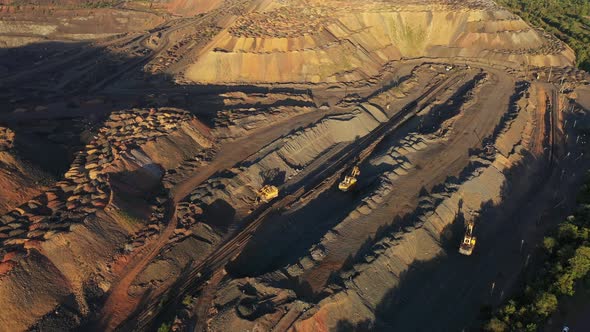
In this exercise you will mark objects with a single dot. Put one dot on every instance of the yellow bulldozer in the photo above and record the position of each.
(267, 193)
(349, 180)
(466, 247)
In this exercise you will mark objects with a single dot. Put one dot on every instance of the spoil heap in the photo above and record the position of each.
(24, 25)
(6, 138)
(340, 41)
(53, 232)
(19, 180)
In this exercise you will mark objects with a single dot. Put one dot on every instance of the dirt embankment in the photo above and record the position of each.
(60, 250)
(476, 176)
(192, 7)
(24, 25)
(19, 180)
(242, 113)
(283, 161)
(352, 42)
(439, 215)
(307, 156)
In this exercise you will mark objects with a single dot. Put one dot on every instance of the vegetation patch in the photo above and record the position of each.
(569, 20)
(566, 265)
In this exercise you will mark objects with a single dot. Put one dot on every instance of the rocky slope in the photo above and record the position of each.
(63, 243)
(24, 25)
(360, 296)
(452, 110)
(20, 181)
(339, 41)
(391, 258)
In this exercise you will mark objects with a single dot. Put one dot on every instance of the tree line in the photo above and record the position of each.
(569, 20)
(566, 267)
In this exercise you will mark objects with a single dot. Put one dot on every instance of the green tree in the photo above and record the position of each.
(549, 243)
(496, 325)
(580, 263)
(567, 262)
(165, 327)
(565, 284)
(567, 232)
(510, 308)
(545, 304)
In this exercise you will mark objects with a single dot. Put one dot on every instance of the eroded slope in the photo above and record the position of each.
(340, 41)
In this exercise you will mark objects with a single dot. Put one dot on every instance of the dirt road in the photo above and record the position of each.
(314, 178)
(119, 304)
(488, 276)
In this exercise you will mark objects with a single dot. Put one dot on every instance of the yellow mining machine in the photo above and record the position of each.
(349, 180)
(267, 193)
(466, 247)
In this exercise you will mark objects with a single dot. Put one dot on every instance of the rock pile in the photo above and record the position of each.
(350, 42)
(158, 207)
(6, 138)
(174, 176)
(175, 53)
(85, 188)
(188, 212)
(132, 128)
(551, 45)
(283, 22)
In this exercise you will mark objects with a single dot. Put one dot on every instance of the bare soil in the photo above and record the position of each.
(134, 141)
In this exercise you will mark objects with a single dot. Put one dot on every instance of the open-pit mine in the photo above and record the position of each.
(278, 165)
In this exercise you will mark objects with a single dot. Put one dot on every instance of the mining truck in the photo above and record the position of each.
(349, 180)
(466, 247)
(267, 193)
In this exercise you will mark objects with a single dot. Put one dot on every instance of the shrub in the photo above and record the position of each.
(549, 243)
(564, 18)
(165, 327)
(565, 284)
(187, 301)
(580, 263)
(545, 304)
(567, 232)
(567, 262)
(496, 325)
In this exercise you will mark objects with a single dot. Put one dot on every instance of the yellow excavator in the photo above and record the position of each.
(466, 247)
(349, 180)
(267, 193)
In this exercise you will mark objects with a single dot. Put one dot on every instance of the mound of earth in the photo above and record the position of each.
(64, 243)
(162, 135)
(192, 7)
(19, 180)
(24, 25)
(339, 41)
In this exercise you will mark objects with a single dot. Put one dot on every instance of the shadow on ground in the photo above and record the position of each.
(458, 292)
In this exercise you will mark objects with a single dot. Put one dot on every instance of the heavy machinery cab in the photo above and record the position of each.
(267, 193)
(349, 180)
(466, 247)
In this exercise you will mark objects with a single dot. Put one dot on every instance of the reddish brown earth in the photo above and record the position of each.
(134, 141)
(192, 7)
